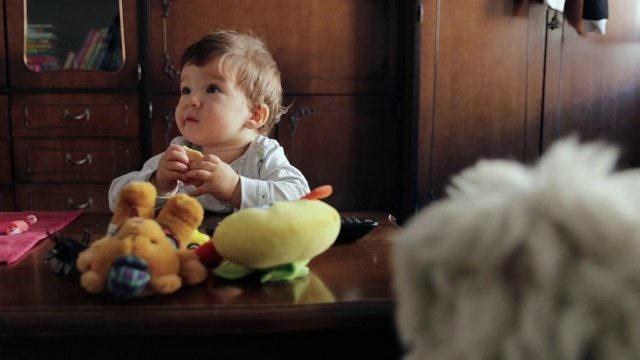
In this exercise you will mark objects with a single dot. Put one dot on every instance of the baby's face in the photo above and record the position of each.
(212, 110)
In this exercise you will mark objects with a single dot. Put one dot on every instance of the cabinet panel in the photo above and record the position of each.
(349, 142)
(21, 75)
(89, 115)
(163, 125)
(3, 52)
(321, 46)
(7, 202)
(5, 162)
(480, 88)
(64, 160)
(92, 198)
(4, 117)
(593, 83)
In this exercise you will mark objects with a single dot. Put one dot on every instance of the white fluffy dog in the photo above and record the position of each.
(519, 262)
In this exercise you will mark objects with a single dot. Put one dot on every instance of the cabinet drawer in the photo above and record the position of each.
(60, 115)
(69, 160)
(60, 197)
(5, 162)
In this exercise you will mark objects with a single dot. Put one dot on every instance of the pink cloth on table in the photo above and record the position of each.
(14, 248)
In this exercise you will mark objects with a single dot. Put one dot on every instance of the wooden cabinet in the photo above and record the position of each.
(494, 84)
(73, 100)
(340, 63)
(389, 99)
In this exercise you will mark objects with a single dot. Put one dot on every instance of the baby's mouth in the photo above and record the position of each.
(190, 119)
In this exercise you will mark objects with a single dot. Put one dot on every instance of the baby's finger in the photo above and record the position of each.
(176, 153)
(198, 191)
(195, 177)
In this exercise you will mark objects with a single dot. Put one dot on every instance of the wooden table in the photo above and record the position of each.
(346, 300)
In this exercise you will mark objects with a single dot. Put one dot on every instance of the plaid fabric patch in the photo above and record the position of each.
(128, 277)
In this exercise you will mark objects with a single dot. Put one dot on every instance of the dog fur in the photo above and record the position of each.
(519, 262)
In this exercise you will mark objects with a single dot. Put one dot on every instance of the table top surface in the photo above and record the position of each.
(348, 285)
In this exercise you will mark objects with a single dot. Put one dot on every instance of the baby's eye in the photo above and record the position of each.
(185, 91)
(213, 89)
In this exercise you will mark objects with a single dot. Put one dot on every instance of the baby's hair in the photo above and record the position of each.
(244, 56)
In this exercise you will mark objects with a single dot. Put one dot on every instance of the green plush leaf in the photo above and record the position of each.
(286, 272)
(231, 271)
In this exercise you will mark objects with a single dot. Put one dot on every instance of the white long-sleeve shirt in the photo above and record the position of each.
(265, 176)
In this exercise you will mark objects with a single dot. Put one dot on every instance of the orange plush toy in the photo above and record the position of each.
(141, 255)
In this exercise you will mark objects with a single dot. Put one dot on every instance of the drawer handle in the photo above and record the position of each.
(86, 115)
(87, 204)
(69, 160)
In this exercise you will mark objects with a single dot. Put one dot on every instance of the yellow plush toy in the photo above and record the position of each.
(277, 240)
(141, 255)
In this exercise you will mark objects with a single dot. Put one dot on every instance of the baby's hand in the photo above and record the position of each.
(217, 177)
(171, 168)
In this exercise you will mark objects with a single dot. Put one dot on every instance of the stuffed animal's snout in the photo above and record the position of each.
(129, 276)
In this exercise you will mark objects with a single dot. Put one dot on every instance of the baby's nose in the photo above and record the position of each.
(193, 100)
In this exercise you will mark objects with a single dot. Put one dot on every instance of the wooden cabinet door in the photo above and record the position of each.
(480, 87)
(592, 86)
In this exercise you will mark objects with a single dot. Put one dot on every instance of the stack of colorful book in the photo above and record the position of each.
(42, 47)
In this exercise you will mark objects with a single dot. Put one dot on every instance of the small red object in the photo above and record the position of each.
(17, 227)
(208, 254)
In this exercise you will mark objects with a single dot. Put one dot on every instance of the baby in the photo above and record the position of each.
(231, 97)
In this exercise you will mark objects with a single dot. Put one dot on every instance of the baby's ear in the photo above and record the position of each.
(258, 117)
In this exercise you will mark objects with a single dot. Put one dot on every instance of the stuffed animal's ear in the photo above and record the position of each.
(136, 199)
(181, 216)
